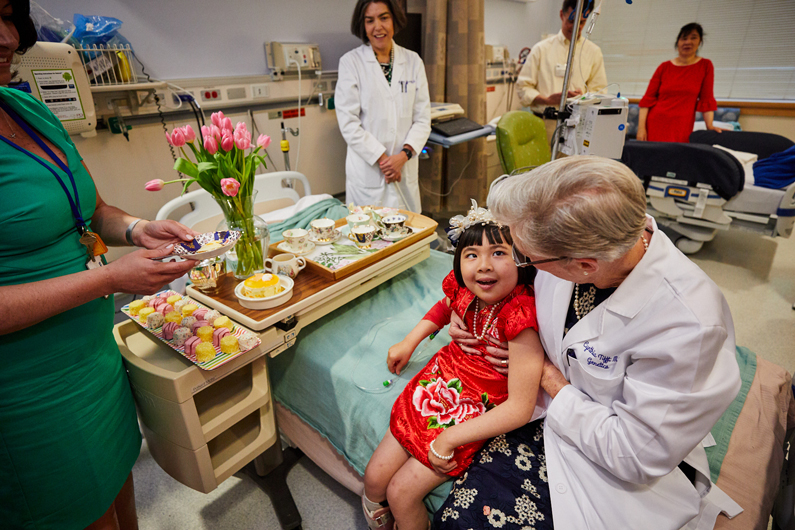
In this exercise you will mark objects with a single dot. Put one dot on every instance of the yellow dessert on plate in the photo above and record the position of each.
(262, 286)
(223, 322)
(205, 334)
(229, 344)
(188, 309)
(174, 316)
(212, 245)
(145, 312)
(205, 352)
(173, 299)
(136, 306)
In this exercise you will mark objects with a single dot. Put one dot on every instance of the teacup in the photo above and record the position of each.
(285, 264)
(363, 235)
(297, 239)
(323, 229)
(357, 219)
(395, 225)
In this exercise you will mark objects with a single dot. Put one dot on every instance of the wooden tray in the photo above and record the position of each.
(423, 226)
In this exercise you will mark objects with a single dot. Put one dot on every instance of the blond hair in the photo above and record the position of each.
(575, 207)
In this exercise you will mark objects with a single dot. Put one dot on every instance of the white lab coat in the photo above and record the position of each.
(375, 117)
(652, 369)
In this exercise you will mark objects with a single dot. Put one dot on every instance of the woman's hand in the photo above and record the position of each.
(158, 234)
(713, 128)
(139, 273)
(497, 351)
(498, 355)
(392, 165)
(641, 134)
(398, 357)
(552, 380)
(441, 466)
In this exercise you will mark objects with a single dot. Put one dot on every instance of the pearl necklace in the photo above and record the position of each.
(487, 324)
(587, 302)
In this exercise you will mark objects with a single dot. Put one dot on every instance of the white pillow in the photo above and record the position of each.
(746, 159)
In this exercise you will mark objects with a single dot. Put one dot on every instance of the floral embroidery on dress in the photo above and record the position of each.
(440, 401)
(464, 497)
(529, 487)
(498, 444)
(449, 513)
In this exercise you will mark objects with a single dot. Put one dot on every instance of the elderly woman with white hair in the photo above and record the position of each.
(641, 364)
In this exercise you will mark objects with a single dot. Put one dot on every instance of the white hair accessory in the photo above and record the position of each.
(476, 215)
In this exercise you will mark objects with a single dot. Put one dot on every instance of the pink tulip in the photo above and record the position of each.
(154, 185)
(241, 125)
(217, 118)
(226, 125)
(190, 135)
(177, 138)
(210, 144)
(227, 142)
(216, 132)
(242, 141)
(206, 131)
(263, 141)
(229, 186)
(168, 137)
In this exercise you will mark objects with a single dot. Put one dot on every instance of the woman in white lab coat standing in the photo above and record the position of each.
(383, 110)
(641, 360)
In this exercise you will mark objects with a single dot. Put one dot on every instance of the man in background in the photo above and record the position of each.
(540, 81)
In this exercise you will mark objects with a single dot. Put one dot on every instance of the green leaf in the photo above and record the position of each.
(187, 167)
(484, 397)
(207, 166)
(424, 382)
(455, 383)
(433, 424)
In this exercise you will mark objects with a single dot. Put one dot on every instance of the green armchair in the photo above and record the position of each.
(521, 141)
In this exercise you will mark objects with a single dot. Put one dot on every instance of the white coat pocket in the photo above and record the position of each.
(600, 380)
(406, 98)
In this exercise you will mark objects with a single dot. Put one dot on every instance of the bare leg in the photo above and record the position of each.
(407, 489)
(387, 459)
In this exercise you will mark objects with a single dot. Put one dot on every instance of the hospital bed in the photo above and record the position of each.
(696, 189)
(333, 405)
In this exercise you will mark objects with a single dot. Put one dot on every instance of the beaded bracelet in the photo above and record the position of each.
(437, 455)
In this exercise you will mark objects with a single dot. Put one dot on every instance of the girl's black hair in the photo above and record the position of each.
(473, 236)
(24, 24)
(687, 29)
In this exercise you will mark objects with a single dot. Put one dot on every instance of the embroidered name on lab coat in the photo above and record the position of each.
(597, 359)
(404, 86)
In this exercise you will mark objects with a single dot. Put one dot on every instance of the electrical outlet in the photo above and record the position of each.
(321, 86)
(260, 91)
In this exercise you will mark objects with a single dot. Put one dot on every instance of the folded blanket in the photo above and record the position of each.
(331, 208)
(776, 171)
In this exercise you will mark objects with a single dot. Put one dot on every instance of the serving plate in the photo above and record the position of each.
(218, 360)
(268, 301)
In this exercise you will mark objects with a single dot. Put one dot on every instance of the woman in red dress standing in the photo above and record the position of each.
(678, 89)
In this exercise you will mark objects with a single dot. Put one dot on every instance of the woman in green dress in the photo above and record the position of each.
(68, 430)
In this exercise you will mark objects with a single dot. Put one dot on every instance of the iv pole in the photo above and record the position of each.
(575, 35)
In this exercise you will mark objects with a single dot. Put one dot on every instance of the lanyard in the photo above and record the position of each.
(74, 202)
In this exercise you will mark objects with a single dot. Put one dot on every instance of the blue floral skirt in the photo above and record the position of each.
(505, 487)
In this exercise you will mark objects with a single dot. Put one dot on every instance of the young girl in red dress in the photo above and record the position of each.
(458, 401)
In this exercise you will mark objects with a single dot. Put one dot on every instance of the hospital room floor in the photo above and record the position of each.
(756, 274)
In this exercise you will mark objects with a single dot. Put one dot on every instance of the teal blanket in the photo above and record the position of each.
(331, 208)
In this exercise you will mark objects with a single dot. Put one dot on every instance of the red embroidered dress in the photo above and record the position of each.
(454, 386)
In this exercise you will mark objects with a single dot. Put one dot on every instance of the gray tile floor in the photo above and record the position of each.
(756, 274)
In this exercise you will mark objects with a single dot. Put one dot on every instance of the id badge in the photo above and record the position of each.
(560, 70)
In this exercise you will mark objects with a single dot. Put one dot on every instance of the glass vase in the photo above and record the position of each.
(246, 257)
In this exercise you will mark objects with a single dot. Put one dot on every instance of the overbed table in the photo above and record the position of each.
(201, 426)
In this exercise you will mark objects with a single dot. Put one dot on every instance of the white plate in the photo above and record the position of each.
(284, 247)
(398, 237)
(190, 250)
(269, 301)
(314, 240)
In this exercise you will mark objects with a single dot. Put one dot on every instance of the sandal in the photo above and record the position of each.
(380, 519)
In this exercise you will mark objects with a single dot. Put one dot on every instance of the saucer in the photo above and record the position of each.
(269, 301)
(192, 249)
(397, 237)
(337, 232)
(284, 247)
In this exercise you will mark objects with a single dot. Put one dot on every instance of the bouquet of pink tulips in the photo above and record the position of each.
(226, 160)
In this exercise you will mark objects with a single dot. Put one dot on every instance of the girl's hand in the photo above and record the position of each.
(441, 466)
(460, 334)
(398, 357)
(498, 355)
(641, 134)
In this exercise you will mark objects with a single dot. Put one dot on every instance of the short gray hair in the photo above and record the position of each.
(577, 207)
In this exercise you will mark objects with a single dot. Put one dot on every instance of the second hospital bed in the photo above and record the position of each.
(331, 402)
